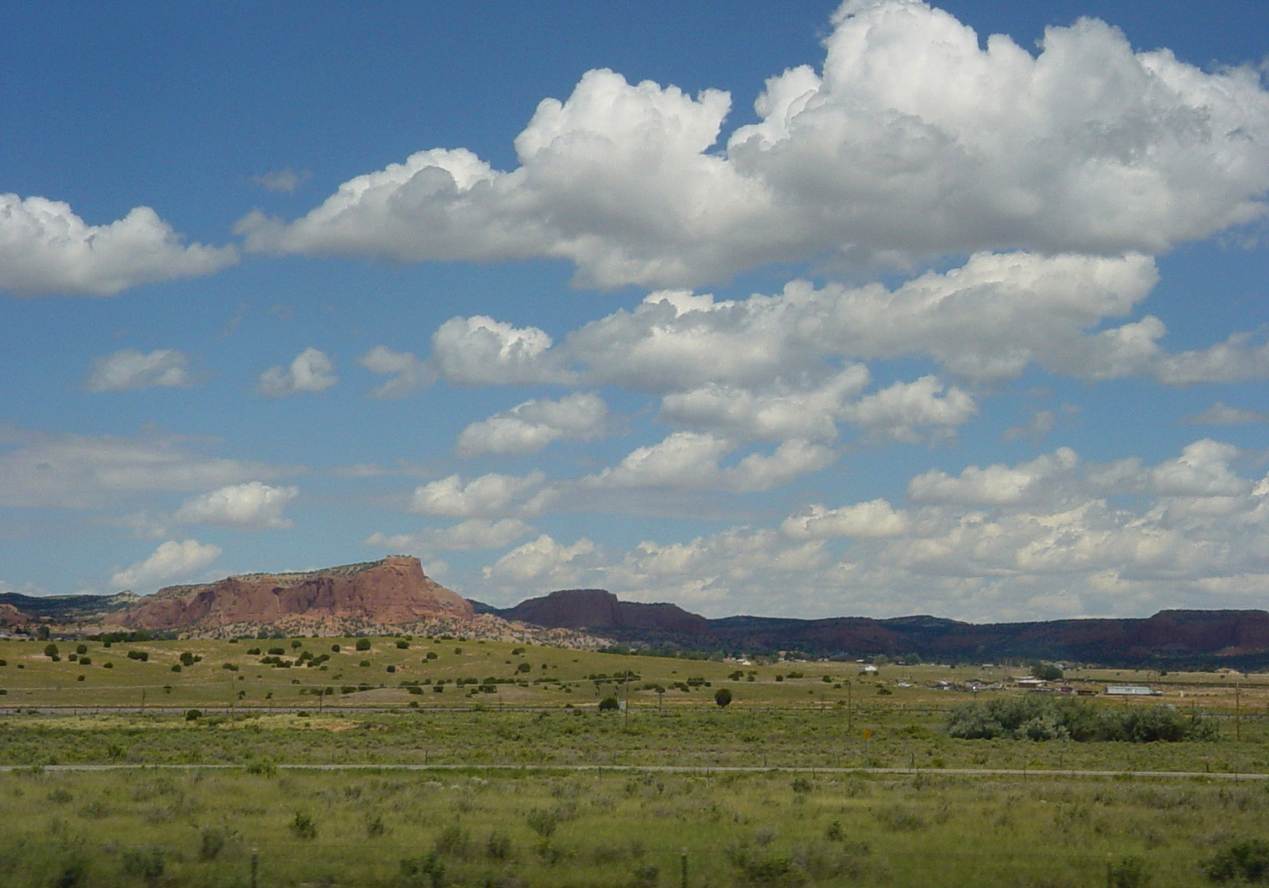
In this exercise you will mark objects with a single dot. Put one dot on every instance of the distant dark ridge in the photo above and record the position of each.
(67, 607)
(1170, 639)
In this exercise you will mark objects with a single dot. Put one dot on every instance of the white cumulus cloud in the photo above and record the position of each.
(545, 563)
(46, 248)
(532, 425)
(253, 505)
(481, 351)
(489, 496)
(914, 139)
(311, 371)
(172, 560)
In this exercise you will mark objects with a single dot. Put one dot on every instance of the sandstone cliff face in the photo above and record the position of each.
(393, 591)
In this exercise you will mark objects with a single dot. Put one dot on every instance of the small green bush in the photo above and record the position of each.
(363, 644)
(212, 841)
(1130, 872)
(1246, 861)
(302, 826)
(429, 870)
(148, 864)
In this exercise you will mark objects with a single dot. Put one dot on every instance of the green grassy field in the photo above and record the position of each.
(385, 827)
(490, 797)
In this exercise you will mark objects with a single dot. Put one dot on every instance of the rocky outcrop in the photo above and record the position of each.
(10, 616)
(62, 609)
(394, 591)
(598, 609)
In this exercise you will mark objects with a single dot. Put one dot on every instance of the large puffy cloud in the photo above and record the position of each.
(481, 351)
(740, 364)
(916, 138)
(987, 319)
(130, 369)
(46, 248)
(85, 471)
(253, 505)
(545, 563)
(1202, 470)
(911, 141)
(488, 496)
(532, 425)
(172, 560)
(311, 371)
(609, 179)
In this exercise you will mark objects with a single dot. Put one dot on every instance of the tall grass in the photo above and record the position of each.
(613, 828)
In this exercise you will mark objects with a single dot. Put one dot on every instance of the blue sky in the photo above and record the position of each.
(866, 309)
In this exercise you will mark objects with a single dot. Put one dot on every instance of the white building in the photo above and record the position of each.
(1132, 691)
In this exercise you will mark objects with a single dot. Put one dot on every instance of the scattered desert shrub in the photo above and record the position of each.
(303, 826)
(453, 841)
(212, 841)
(1245, 861)
(428, 870)
(1034, 717)
(148, 864)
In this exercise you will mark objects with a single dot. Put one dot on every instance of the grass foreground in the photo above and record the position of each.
(479, 783)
